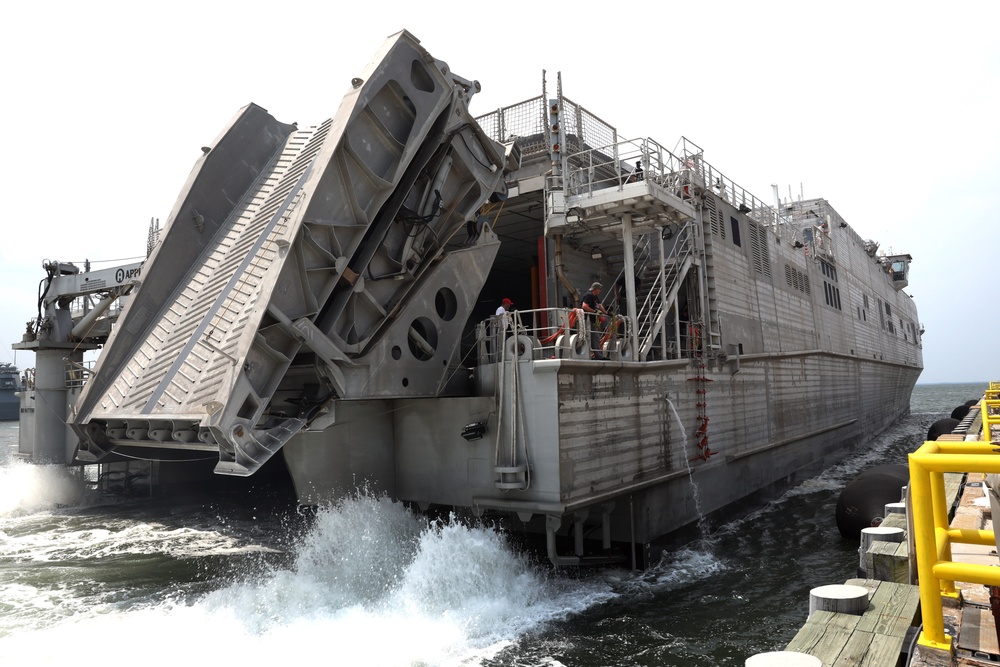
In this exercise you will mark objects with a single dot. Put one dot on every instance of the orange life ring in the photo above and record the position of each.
(561, 330)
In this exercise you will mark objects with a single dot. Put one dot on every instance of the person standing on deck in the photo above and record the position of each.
(592, 305)
(502, 315)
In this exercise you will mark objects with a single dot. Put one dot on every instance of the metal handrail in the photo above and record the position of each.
(933, 537)
(652, 312)
(614, 166)
(78, 373)
(614, 163)
(549, 333)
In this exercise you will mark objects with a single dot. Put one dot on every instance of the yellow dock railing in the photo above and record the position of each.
(932, 535)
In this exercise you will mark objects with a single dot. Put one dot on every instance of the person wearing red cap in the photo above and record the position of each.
(502, 311)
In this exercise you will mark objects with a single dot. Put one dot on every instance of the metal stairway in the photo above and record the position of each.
(653, 309)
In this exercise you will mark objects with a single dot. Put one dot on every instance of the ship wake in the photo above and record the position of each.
(368, 583)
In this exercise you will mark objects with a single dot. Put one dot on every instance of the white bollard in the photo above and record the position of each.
(841, 598)
(783, 659)
(895, 508)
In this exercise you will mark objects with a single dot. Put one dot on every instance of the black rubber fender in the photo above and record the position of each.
(900, 471)
(862, 502)
(940, 427)
(960, 412)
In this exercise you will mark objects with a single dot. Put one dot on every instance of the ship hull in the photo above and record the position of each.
(617, 439)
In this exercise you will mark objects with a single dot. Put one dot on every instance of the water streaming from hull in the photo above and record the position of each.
(695, 492)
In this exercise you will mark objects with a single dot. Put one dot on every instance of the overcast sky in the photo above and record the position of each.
(887, 109)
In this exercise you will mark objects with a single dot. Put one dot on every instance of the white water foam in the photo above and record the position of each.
(372, 584)
(29, 488)
(680, 568)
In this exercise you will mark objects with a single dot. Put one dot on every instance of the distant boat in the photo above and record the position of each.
(10, 382)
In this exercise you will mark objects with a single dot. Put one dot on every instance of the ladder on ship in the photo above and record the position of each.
(662, 272)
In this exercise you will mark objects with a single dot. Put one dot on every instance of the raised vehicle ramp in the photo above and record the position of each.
(296, 264)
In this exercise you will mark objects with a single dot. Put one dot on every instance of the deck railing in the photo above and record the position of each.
(550, 333)
(601, 159)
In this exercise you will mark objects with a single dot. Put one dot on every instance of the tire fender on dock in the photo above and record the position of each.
(862, 502)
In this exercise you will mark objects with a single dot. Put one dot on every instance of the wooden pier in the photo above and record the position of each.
(878, 637)
(885, 634)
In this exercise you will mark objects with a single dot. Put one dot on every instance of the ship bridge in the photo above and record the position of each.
(300, 266)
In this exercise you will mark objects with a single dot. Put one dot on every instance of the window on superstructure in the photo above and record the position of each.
(760, 254)
(832, 294)
(829, 270)
(735, 224)
(888, 318)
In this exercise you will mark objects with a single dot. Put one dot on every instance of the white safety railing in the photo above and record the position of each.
(551, 333)
(632, 160)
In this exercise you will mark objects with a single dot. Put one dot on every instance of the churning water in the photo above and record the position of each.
(222, 580)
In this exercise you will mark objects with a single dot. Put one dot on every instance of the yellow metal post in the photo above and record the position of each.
(991, 418)
(939, 503)
(924, 525)
(931, 532)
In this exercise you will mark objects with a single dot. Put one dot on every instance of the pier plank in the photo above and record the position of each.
(884, 651)
(978, 632)
(834, 619)
(892, 609)
(855, 650)
(823, 641)
(873, 639)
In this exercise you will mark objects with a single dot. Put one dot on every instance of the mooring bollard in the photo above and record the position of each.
(783, 659)
(841, 598)
(895, 508)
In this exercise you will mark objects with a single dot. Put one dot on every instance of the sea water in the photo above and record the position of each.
(90, 580)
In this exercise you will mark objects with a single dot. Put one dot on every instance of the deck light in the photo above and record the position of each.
(474, 431)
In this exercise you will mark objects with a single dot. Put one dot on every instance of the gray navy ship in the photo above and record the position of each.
(326, 301)
(10, 384)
